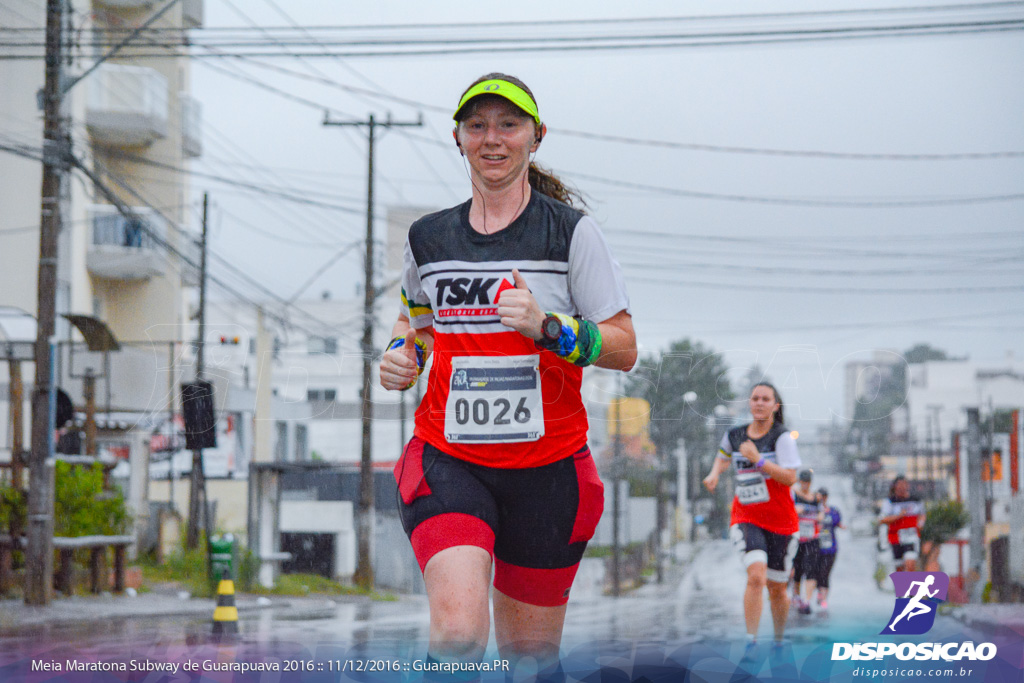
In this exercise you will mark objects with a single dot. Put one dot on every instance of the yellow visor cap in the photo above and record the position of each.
(509, 91)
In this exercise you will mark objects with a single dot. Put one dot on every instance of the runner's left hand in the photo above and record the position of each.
(519, 310)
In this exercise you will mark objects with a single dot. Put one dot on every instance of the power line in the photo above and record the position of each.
(761, 286)
(616, 21)
(280, 194)
(636, 42)
(794, 201)
(823, 154)
(667, 144)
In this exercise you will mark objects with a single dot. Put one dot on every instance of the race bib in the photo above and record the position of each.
(825, 539)
(751, 488)
(494, 399)
(908, 536)
(806, 528)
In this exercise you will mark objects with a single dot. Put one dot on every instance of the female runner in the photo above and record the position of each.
(511, 293)
(764, 459)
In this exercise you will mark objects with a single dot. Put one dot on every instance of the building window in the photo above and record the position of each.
(301, 443)
(281, 442)
(328, 345)
(321, 394)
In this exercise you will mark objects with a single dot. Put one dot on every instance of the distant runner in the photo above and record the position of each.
(764, 459)
(904, 515)
(830, 520)
(805, 564)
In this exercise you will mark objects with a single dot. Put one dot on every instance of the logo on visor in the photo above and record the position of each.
(922, 592)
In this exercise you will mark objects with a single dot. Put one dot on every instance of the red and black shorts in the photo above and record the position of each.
(901, 552)
(535, 521)
(755, 544)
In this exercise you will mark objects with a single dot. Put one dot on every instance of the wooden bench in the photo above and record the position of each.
(97, 546)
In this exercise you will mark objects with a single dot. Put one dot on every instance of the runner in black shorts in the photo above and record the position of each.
(805, 564)
(510, 294)
(536, 517)
(764, 458)
(904, 515)
(828, 546)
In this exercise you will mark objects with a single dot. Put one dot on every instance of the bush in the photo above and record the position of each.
(13, 509)
(943, 520)
(82, 507)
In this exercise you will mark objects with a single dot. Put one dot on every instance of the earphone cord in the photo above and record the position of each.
(522, 188)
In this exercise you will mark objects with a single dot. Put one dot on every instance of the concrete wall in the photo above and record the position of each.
(325, 517)
(230, 495)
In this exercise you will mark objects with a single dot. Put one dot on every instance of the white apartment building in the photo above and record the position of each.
(133, 124)
(128, 115)
(940, 391)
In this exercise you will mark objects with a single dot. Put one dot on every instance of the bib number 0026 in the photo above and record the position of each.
(494, 399)
(480, 411)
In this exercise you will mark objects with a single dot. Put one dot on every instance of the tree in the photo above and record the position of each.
(664, 380)
(921, 352)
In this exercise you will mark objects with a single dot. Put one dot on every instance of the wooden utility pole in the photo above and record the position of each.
(39, 555)
(17, 399)
(975, 504)
(197, 489)
(363, 576)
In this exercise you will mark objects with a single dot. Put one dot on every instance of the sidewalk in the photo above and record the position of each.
(994, 619)
(162, 601)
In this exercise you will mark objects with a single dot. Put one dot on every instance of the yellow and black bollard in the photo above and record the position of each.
(225, 614)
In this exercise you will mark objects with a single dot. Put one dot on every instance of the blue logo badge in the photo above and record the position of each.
(918, 595)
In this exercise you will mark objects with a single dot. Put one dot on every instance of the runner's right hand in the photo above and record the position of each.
(710, 482)
(398, 366)
(749, 451)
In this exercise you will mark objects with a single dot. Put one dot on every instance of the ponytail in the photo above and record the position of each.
(547, 183)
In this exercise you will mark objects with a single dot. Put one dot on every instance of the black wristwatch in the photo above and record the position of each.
(551, 329)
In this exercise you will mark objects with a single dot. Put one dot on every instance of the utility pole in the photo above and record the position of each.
(363, 576)
(39, 555)
(197, 492)
(975, 503)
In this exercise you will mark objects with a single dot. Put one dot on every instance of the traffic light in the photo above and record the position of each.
(229, 340)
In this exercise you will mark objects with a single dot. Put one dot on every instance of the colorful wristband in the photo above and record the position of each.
(579, 343)
(421, 355)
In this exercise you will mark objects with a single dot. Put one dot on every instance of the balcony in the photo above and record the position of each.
(126, 105)
(126, 4)
(192, 13)
(125, 249)
(191, 124)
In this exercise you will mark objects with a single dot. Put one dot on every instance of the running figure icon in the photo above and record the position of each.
(915, 607)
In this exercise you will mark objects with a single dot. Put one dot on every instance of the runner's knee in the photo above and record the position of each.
(757, 575)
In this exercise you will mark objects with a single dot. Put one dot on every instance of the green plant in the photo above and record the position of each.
(82, 507)
(880, 575)
(13, 509)
(247, 569)
(942, 522)
(184, 566)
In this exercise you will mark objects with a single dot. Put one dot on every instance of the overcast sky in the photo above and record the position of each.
(731, 249)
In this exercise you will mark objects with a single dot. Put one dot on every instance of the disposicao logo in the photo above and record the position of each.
(914, 613)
